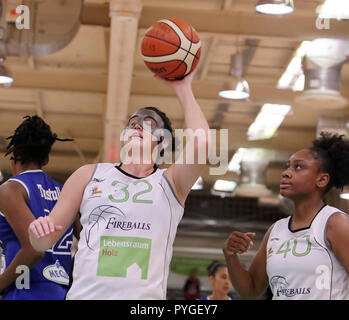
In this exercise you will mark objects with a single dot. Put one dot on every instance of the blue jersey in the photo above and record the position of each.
(49, 278)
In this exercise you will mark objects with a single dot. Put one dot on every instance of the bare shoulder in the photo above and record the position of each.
(13, 198)
(86, 169)
(11, 188)
(79, 178)
(84, 172)
(337, 230)
(338, 220)
(267, 234)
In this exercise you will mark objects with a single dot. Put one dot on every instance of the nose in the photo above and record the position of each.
(137, 126)
(286, 173)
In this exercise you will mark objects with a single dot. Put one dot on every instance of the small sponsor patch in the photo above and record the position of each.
(2, 264)
(56, 273)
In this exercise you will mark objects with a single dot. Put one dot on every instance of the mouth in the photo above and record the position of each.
(284, 184)
(136, 135)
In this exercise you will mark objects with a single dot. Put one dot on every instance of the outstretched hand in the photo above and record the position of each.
(43, 226)
(238, 242)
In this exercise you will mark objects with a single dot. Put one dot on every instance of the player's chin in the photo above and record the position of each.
(286, 193)
(225, 290)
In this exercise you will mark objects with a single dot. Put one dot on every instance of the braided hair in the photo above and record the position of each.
(214, 266)
(32, 141)
(332, 150)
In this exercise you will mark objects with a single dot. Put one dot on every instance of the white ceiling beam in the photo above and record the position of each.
(233, 22)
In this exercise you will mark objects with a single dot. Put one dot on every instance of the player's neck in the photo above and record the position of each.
(138, 170)
(305, 211)
(19, 168)
(218, 296)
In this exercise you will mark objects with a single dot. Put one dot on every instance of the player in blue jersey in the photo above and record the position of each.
(27, 274)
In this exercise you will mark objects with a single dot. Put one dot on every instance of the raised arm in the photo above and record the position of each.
(251, 283)
(182, 176)
(46, 231)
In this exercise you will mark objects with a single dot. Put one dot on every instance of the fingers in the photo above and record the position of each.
(246, 237)
(43, 226)
(239, 242)
(34, 229)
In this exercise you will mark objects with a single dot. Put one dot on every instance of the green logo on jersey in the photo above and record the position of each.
(121, 193)
(294, 248)
(118, 254)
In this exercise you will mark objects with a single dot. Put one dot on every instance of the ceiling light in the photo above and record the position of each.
(199, 184)
(234, 164)
(236, 88)
(238, 92)
(267, 121)
(345, 193)
(5, 77)
(224, 185)
(281, 109)
(275, 6)
(334, 9)
(293, 76)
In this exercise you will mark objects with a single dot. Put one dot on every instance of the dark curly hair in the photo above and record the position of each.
(32, 141)
(332, 150)
(214, 266)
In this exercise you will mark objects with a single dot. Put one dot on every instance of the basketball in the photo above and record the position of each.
(171, 48)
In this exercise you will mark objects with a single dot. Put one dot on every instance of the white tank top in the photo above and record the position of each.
(125, 247)
(301, 264)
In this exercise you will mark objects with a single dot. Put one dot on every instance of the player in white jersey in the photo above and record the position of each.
(129, 211)
(304, 256)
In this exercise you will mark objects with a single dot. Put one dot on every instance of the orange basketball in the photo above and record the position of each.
(171, 48)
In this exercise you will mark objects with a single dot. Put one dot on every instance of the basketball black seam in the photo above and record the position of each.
(191, 29)
(179, 47)
(185, 56)
(149, 36)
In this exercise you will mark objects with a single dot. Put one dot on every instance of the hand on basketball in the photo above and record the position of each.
(180, 85)
(238, 242)
(42, 227)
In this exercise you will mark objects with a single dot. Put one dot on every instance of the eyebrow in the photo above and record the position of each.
(294, 161)
(146, 117)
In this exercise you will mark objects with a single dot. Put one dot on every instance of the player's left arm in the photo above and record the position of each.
(337, 234)
(17, 213)
(182, 176)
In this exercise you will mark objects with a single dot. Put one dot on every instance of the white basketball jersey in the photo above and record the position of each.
(125, 247)
(300, 263)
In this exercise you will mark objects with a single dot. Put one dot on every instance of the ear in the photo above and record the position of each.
(13, 166)
(211, 278)
(46, 161)
(322, 180)
(164, 142)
